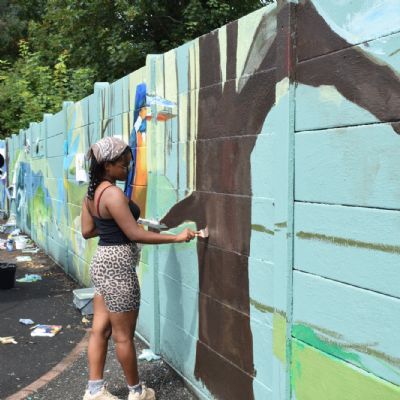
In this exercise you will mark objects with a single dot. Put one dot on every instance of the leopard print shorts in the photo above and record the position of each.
(113, 275)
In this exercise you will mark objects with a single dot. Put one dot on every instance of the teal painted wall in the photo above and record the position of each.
(284, 140)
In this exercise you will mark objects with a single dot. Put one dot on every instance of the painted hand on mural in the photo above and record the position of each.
(235, 110)
(354, 73)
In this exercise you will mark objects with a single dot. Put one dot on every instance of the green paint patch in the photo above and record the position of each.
(335, 346)
(76, 193)
(262, 228)
(316, 375)
(281, 225)
(279, 336)
(307, 335)
(279, 325)
(349, 242)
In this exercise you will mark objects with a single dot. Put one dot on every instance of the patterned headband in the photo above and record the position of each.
(107, 149)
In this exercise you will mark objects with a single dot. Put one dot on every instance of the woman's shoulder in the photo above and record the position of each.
(114, 193)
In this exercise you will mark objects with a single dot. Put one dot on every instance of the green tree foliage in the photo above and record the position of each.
(14, 18)
(28, 88)
(69, 44)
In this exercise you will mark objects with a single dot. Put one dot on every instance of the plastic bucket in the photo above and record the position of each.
(83, 300)
(20, 243)
(7, 275)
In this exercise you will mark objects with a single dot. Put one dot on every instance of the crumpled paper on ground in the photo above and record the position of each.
(7, 340)
(148, 355)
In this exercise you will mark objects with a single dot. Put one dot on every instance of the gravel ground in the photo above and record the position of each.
(156, 374)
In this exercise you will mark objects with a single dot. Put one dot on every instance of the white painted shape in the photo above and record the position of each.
(247, 28)
(222, 52)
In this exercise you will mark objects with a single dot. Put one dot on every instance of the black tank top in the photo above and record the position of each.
(109, 232)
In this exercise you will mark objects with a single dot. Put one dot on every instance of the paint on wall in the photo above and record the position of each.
(294, 100)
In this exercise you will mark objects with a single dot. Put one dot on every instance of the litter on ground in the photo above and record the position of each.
(31, 251)
(30, 278)
(148, 355)
(7, 340)
(26, 321)
(46, 330)
(23, 258)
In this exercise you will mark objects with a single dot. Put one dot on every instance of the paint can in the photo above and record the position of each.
(20, 243)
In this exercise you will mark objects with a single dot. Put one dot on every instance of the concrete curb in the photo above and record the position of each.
(54, 372)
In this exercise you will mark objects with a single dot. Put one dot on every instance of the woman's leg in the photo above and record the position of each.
(123, 328)
(98, 341)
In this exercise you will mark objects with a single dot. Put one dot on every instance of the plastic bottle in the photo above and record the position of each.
(10, 245)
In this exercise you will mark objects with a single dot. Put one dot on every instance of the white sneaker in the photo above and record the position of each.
(147, 394)
(104, 394)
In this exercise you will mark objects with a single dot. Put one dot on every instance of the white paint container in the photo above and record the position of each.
(20, 243)
(83, 300)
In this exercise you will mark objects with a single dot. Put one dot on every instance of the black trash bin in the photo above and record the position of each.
(7, 275)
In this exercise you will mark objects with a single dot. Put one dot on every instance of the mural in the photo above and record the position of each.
(221, 113)
(136, 184)
(280, 132)
(3, 176)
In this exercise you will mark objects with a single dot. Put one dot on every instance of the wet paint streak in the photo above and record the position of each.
(349, 242)
(262, 307)
(262, 228)
(307, 335)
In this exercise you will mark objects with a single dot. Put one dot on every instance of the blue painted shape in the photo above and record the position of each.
(359, 21)
(324, 107)
(355, 245)
(116, 98)
(262, 229)
(350, 166)
(182, 64)
(140, 101)
(179, 303)
(263, 357)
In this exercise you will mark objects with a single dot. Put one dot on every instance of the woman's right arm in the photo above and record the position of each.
(88, 227)
(118, 208)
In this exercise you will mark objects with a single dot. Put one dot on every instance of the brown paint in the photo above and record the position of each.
(356, 75)
(228, 125)
(310, 44)
(224, 167)
(220, 318)
(224, 349)
(218, 265)
(224, 380)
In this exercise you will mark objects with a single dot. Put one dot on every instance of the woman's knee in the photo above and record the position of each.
(101, 333)
(122, 337)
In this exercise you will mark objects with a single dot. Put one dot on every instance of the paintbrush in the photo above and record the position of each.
(203, 233)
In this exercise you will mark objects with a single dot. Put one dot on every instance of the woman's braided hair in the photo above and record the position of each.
(97, 172)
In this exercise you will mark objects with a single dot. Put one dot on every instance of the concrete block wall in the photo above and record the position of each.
(280, 132)
(346, 298)
(3, 176)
